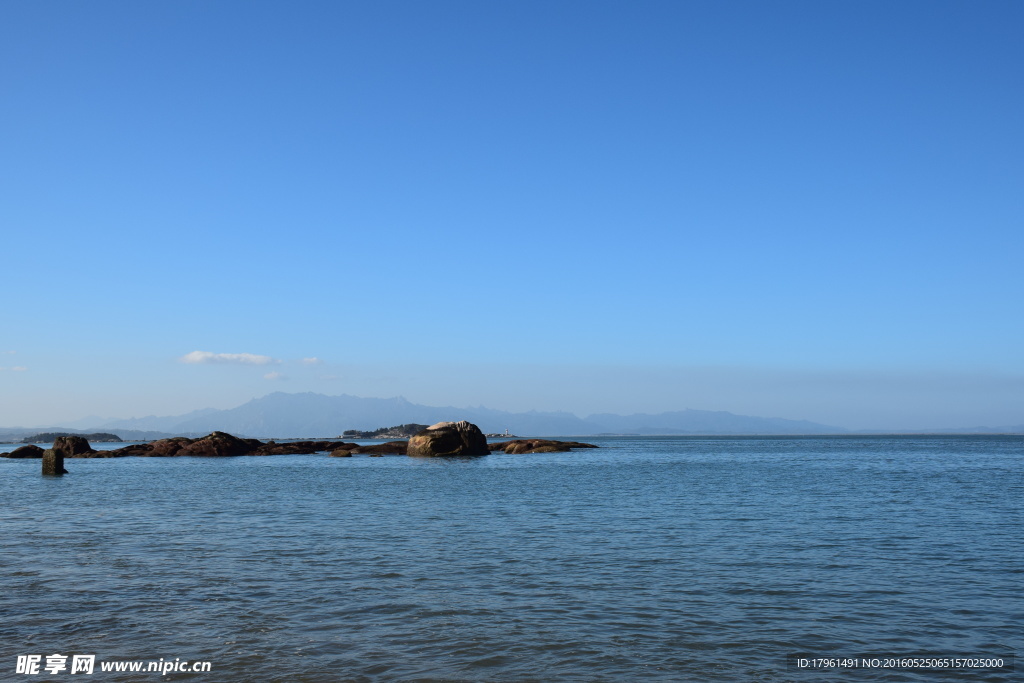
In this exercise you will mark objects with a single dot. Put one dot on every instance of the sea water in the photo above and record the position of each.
(658, 558)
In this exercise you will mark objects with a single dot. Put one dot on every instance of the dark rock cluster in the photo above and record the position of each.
(221, 444)
(300, 447)
(526, 446)
(442, 439)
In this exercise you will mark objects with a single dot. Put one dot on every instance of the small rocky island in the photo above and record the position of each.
(399, 432)
(444, 439)
(50, 437)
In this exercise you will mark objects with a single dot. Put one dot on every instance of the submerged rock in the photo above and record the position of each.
(301, 447)
(448, 439)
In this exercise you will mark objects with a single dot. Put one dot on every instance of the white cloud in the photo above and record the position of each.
(274, 375)
(239, 358)
(8, 351)
(19, 368)
(312, 361)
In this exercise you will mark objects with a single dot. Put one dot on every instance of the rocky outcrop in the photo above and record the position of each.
(219, 445)
(302, 447)
(448, 439)
(165, 448)
(347, 450)
(78, 447)
(25, 452)
(526, 446)
(161, 448)
(332, 447)
(442, 439)
(100, 454)
(389, 448)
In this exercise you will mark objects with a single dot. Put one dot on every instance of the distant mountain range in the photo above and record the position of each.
(284, 415)
(281, 415)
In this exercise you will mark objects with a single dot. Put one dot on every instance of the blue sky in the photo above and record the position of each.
(793, 209)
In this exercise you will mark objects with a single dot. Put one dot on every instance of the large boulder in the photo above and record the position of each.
(448, 439)
(30, 451)
(72, 446)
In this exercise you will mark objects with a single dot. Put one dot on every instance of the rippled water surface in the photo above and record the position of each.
(667, 559)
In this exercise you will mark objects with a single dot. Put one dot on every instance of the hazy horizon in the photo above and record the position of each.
(800, 210)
